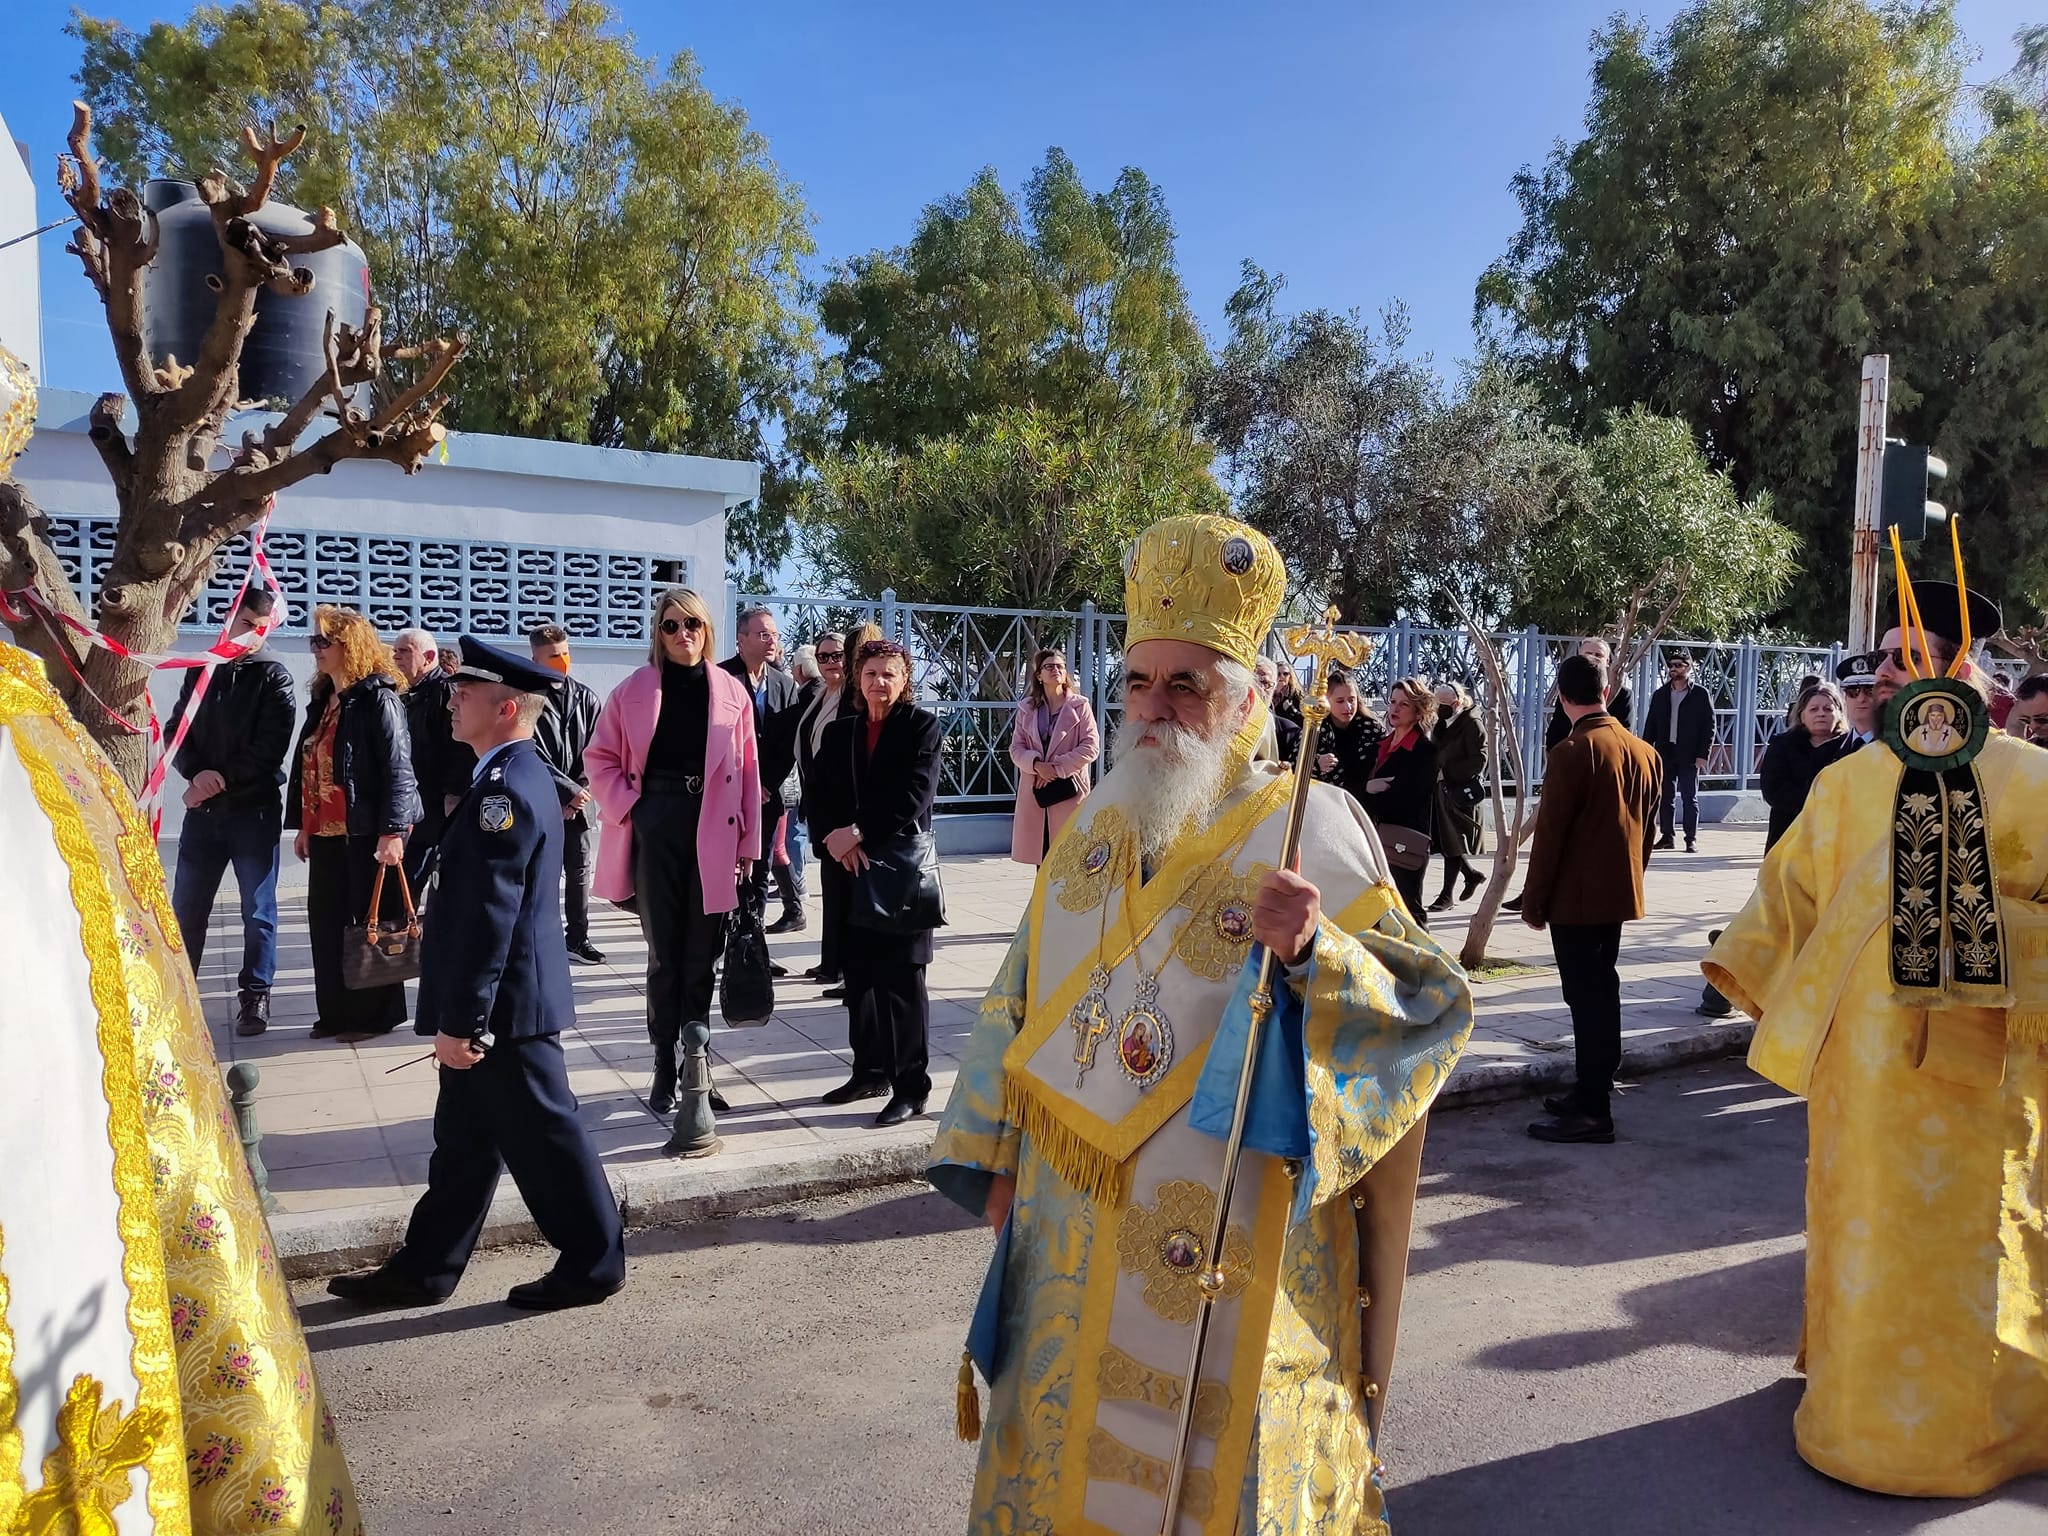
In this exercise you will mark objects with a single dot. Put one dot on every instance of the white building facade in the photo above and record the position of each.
(503, 534)
(21, 315)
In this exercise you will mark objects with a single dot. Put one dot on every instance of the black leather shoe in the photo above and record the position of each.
(836, 993)
(789, 922)
(253, 1016)
(818, 973)
(1443, 903)
(777, 970)
(587, 952)
(856, 1088)
(548, 1295)
(898, 1110)
(1664, 844)
(383, 1287)
(1472, 883)
(1512, 904)
(718, 1104)
(1577, 1126)
(1691, 846)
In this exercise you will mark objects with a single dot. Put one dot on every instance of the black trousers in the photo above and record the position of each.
(889, 1011)
(1587, 957)
(339, 873)
(1681, 784)
(683, 940)
(513, 1110)
(1409, 883)
(835, 885)
(579, 840)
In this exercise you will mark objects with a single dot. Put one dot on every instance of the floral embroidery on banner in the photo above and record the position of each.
(202, 1228)
(212, 1460)
(187, 1313)
(273, 1503)
(237, 1368)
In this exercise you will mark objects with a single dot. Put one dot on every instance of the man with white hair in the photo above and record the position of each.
(441, 764)
(1087, 1125)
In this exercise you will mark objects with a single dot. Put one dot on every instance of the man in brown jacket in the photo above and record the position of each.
(1594, 827)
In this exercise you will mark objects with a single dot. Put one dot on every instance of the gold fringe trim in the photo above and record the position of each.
(1072, 1156)
(966, 1401)
(2029, 1026)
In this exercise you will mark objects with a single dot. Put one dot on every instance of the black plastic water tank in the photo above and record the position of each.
(282, 357)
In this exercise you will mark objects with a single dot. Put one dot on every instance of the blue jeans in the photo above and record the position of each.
(209, 843)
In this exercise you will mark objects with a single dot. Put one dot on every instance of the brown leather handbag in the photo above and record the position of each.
(1406, 848)
(382, 952)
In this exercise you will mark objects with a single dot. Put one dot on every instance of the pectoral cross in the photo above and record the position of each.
(1090, 1022)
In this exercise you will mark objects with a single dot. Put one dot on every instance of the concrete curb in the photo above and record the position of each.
(666, 1193)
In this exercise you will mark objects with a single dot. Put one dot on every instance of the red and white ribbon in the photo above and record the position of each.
(21, 606)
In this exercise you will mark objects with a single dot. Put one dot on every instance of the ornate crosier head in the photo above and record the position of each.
(1329, 649)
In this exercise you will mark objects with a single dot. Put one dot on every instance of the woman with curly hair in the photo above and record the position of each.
(351, 799)
(1400, 795)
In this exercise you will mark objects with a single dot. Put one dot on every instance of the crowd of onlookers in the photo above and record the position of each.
(686, 796)
(689, 794)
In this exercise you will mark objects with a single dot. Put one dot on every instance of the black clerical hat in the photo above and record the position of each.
(487, 664)
(1941, 610)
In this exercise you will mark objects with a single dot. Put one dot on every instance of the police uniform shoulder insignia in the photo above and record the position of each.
(495, 813)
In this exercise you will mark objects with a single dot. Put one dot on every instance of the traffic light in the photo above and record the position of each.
(1910, 473)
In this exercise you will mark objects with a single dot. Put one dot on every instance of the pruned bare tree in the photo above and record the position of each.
(182, 491)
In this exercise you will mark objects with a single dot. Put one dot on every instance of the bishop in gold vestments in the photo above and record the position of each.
(1926, 1335)
(1088, 1117)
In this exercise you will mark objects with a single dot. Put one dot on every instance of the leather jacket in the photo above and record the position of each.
(563, 731)
(441, 765)
(242, 732)
(372, 759)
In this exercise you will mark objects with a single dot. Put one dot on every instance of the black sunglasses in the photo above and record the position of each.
(831, 655)
(689, 622)
(317, 642)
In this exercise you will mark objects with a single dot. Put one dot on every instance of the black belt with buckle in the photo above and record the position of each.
(672, 784)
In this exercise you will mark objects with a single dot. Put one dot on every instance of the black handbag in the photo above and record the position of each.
(1058, 792)
(1405, 847)
(899, 891)
(379, 952)
(746, 986)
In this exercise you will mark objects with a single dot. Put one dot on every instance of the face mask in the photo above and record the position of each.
(559, 663)
(1445, 711)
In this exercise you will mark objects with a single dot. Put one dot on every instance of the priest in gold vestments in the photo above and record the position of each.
(153, 1377)
(1088, 1121)
(1895, 957)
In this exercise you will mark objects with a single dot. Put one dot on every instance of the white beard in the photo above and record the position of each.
(1175, 779)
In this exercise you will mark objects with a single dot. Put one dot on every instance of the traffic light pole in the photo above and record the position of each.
(1863, 559)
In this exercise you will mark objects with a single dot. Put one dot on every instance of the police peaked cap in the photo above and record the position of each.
(483, 663)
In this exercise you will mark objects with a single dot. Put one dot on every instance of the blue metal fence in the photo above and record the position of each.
(971, 665)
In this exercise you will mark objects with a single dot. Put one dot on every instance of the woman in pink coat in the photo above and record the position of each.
(674, 767)
(1052, 745)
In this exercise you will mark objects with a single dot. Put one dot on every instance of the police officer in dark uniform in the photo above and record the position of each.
(1857, 676)
(495, 995)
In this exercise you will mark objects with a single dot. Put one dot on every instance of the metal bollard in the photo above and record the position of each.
(695, 1133)
(242, 1080)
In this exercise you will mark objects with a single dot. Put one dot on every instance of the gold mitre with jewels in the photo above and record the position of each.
(1204, 579)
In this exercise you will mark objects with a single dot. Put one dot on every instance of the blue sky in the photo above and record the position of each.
(1363, 149)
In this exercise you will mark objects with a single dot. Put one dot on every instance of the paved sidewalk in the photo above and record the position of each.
(347, 1129)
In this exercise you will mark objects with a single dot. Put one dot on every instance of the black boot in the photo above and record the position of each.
(662, 1098)
(1443, 902)
(252, 1017)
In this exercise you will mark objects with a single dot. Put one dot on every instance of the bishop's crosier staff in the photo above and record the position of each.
(1329, 649)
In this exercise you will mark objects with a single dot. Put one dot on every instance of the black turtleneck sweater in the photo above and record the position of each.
(684, 722)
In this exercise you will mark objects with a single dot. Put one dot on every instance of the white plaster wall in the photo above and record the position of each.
(21, 313)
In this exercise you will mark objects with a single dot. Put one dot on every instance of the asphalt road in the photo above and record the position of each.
(1596, 1342)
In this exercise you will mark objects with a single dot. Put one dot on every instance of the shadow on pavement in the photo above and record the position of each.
(914, 1213)
(1729, 1468)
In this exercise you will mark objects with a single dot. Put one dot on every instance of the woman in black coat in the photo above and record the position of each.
(1347, 738)
(1460, 744)
(1797, 754)
(352, 800)
(879, 774)
(1400, 797)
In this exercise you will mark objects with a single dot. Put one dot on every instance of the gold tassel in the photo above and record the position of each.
(966, 1401)
(1078, 1162)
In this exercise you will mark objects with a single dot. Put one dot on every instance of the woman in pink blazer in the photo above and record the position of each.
(674, 767)
(1052, 745)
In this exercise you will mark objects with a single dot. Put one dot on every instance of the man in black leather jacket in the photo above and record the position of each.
(233, 761)
(442, 765)
(563, 731)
